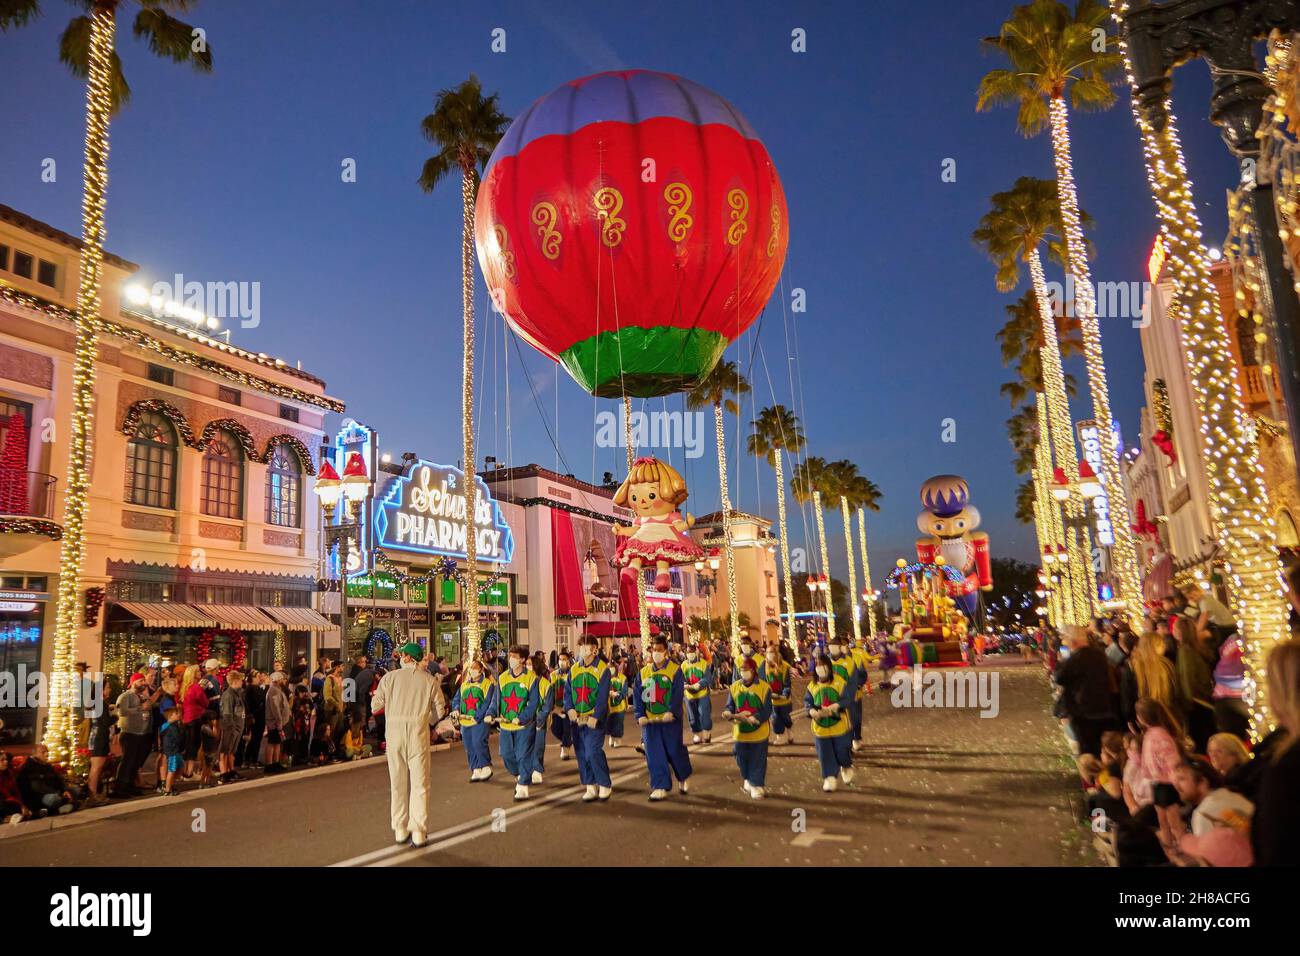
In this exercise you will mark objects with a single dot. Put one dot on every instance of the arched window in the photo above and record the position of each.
(151, 463)
(283, 488)
(223, 477)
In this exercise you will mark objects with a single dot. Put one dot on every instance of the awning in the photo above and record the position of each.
(300, 618)
(237, 615)
(167, 614)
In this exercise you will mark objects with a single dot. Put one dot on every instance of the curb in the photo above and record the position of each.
(106, 812)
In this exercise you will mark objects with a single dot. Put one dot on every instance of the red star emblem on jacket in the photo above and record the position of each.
(514, 702)
(584, 693)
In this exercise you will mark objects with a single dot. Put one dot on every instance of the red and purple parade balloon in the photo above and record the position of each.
(631, 225)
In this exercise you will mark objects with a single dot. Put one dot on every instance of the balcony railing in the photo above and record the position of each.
(1257, 389)
(28, 494)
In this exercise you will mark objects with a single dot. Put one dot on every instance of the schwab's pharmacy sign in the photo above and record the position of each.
(424, 511)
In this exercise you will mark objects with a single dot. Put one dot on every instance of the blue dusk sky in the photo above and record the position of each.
(235, 176)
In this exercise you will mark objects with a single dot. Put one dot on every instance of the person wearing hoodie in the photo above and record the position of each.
(560, 725)
(749, 708)
(775, 672)
(545, 703)
(279, 718)
(657, 700)
(405, 696)
(472, 709)
(826, 699)
(586, 702)
(698, 676)
(514, 712)
(846, 666)
(620, 693)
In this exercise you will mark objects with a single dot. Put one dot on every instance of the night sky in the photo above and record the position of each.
(235, 176)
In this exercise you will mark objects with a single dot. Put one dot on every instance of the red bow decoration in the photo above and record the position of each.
(1143, 527)
(1165, 442)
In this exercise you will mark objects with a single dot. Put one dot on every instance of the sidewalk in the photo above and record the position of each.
(117, 808)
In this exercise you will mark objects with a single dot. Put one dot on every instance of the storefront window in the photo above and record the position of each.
(23, 601)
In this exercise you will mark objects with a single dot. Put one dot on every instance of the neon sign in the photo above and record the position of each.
(361, 438)
(425, 511)
(1090, 439)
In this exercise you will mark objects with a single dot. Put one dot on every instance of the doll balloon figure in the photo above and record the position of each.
(653, 490)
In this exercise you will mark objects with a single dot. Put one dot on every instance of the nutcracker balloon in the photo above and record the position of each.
(949, 521)
(653, 490)
(631, 225)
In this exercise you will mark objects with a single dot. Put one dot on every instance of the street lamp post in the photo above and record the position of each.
(352, 489)
(708, 584)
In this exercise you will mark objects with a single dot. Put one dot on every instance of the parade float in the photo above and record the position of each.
(939, 592)
(630, 225)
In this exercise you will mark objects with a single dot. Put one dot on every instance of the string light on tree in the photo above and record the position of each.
(821, 542)
(866, 570)
(1239, 501)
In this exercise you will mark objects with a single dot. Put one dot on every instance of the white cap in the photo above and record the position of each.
(211, 664)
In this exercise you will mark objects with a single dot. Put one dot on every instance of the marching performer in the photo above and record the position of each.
(825, 700)
(699, 677)
(406, 698)
(658, 705)
(620, 692)
(775, 672)
(515, 711)
(749, 707)
(586, 701)
(545, 703)
(472, 708)
(560, 726)
(845, 665)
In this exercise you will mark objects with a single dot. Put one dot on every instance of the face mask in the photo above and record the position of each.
(409, 663)
(747, 677)
(515, 664)
(836, 650)
(747, 648)
(564, 665)
(692, 656)
(658, 657)
(475, 676)
(823, 673)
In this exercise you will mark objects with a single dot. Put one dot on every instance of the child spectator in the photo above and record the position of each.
(171, 741)
(354, 741)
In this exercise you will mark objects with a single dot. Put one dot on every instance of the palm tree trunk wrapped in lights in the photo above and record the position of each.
(728, 545)
(472, 639)
(1239, 500)
(1053, 528)
(785, 550)
(853, 575)
(776, 431)
(821, 544)
(866, 571)
(1123, 552)
(61, 720)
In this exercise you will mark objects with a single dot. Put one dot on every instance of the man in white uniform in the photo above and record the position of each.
(407, 699)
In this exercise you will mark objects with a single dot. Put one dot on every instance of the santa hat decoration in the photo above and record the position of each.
(355, 468)
(327, 472)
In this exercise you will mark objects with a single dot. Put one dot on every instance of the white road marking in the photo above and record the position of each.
(816, 834)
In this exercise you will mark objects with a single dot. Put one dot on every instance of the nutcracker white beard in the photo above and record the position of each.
(958, 553)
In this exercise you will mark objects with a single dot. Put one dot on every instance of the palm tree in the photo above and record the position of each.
(1053, 52)
(812, 480)
(466, 126)
(1019, 220)
(857, 492)
(776, 431)
(714, 389)
(1022, 430)
(1026, 502)
(1021, 342)
(87, 48)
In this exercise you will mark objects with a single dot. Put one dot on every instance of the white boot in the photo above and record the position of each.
(756, 793)
(419, 838)
(846, 774)
(589, 794)
(604, 793)
(537, 776)
(684, 786)
(401, 836)
(521, 792)
(564, 753)
(830, 784)
(487, 773)
(658, 794)
(476, 775)
(613, 742)
(695, 738)
(745, 785)
(855, 745)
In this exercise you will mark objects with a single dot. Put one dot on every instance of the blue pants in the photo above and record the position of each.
(751, 758)
(517, 753)
(539, 748)
(616, 721)
(834, 753)
(664, 750)
(781, 721)
(475, 740)
(562, 729)
(699, 714)
(589, 748)
(855, 718)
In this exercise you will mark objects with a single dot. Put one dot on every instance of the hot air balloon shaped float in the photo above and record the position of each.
(949, 522)
(630, 225)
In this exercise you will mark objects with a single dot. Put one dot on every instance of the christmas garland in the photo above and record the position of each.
(1164, 434)
(239, 650)
(31, 526)
(447, 570)
(385, 642)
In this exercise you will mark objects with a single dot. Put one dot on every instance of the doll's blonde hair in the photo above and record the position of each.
(653, 471)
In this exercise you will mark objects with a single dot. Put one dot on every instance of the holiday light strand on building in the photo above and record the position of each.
(60, 721)
(866, 571)
(1124, 562)
(785, 547)
(1061, 427)
(728, 545)
(821, 542)
(447, 570)
(467, 190)
(1062, 607)
(1239, 501)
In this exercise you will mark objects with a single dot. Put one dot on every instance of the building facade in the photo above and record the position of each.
(200, 538)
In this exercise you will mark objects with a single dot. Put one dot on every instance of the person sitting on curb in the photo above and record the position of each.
(43, 787)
